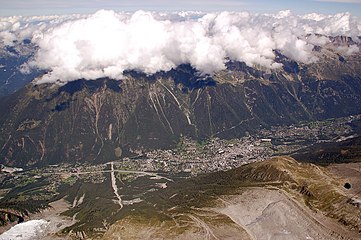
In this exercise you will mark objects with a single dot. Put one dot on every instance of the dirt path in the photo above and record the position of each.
(110, 171)
(202, 225)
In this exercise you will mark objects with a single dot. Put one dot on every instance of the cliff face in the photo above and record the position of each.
(99, 121)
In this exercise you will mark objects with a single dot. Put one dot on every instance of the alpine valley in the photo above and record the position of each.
(243, 153)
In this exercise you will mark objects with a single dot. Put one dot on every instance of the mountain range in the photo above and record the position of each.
(97, 121)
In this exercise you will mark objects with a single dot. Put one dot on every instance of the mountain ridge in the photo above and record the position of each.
(86, 121)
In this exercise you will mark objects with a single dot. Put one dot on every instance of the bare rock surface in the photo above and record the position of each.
(270, 214)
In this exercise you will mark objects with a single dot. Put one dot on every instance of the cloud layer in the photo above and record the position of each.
(106, 43)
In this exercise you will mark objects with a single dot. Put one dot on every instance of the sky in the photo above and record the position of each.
(51, 7)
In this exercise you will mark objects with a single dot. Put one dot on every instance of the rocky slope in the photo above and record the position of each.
(278, 198)
(102, 120)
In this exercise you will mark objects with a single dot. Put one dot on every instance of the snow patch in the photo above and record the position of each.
(30, 230)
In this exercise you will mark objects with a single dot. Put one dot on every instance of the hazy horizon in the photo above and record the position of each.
(51, 7)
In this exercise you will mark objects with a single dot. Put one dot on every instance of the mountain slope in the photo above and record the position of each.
(278, 198)
(101, 120)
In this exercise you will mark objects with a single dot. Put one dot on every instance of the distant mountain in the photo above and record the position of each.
(101, 120)
(13, 74)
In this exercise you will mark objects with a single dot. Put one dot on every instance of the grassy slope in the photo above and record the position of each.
(309, 184)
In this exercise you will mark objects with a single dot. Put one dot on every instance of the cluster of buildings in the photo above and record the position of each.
(200, 157)
(195, 157)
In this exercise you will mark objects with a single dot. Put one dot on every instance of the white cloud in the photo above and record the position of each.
(106, 43)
